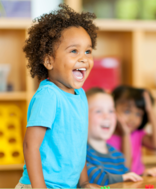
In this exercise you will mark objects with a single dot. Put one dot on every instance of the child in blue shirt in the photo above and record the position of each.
(59, 48)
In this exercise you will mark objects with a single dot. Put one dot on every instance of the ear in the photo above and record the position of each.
(48, 62)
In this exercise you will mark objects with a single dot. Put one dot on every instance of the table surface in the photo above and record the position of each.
(140, 184)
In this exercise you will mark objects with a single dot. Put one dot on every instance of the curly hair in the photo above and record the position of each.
(46, 32)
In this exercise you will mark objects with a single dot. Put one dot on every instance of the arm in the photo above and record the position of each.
(126, 150)
(32, 141)
(104, 178)
(149, 141)
(150, 172)
(124, 132)
(98, 175)
(84, 182)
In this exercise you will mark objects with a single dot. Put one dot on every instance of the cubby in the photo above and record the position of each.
(133, 42)
(13, 33)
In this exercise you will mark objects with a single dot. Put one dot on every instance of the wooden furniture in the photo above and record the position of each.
(140, 184)
(134, 42)
(13, 33)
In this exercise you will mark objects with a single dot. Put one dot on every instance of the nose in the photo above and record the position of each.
(82, 58)
(105, 115)
(132, 119)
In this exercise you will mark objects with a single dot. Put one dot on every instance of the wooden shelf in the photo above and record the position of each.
(11, 167)
(125, 25)
(13, 95)
(13, 23)
(103, 24)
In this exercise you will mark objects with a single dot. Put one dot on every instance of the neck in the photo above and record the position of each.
(61, 86)
(98, 145)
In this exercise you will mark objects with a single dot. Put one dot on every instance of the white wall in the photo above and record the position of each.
(39, 7)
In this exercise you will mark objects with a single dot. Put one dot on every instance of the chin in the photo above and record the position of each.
(78, 86)
(107, 137)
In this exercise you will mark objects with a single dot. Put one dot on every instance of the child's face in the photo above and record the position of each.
(74, 52)
(102, 117)
(131, 115)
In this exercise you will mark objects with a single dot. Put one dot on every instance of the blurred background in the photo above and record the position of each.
(125, 54)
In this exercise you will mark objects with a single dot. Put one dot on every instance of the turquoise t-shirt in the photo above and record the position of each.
(63, 150)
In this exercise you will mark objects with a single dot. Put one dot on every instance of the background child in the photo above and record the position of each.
(134, 110)
(59, 48)
(105, 164)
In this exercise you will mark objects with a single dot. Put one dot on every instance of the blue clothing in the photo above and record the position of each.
(63, 150)
(104, 169)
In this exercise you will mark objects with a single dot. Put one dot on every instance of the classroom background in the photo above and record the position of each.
(125, 54)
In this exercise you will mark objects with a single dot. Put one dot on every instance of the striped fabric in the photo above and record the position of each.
(104, 169)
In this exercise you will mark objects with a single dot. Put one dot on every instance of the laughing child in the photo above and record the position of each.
(134, 109)
(105, 164)
(59, 48)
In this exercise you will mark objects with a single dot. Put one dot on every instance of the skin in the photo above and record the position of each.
(130, 119)
(102, 112)
(74, 51)
(131, 116)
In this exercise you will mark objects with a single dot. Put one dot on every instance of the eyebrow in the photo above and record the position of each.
(76, 45)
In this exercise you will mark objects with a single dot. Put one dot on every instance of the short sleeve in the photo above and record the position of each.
(42, 109)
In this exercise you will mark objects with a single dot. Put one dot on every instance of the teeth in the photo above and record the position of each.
(79, 77)
(81, 69)
(106, 126)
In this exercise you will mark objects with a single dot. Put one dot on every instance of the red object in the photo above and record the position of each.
(149, 186)
(105, 74)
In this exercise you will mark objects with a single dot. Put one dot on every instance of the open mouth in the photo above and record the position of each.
(79, 73)
(105, 127)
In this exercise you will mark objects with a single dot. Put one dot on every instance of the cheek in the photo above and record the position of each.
(93, 122)
(138, 121)
(125, 117)
(91, 63)
(114, 121)
(93, 119)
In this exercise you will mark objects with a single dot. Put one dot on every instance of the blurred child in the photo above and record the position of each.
(134, 110)
(104, 163)
(59, 48)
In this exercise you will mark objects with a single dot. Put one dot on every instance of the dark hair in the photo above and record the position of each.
(127, 93)
(46, 32)
(93, 91)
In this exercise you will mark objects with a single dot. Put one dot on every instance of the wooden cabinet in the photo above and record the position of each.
(134, 42)
(12, 36)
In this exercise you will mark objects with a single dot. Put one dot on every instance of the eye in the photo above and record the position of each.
(111, 111)
(138, 114)
(74, 51)
(127, 111)
(88, 52)
(98, 111)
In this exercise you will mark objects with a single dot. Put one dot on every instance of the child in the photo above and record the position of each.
(134, 110)
(59, 48)
(105, 164)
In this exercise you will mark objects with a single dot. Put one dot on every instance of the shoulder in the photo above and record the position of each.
(81, 91)
(82, 94)
(114, 152)
(138, 134)
(44, 94)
